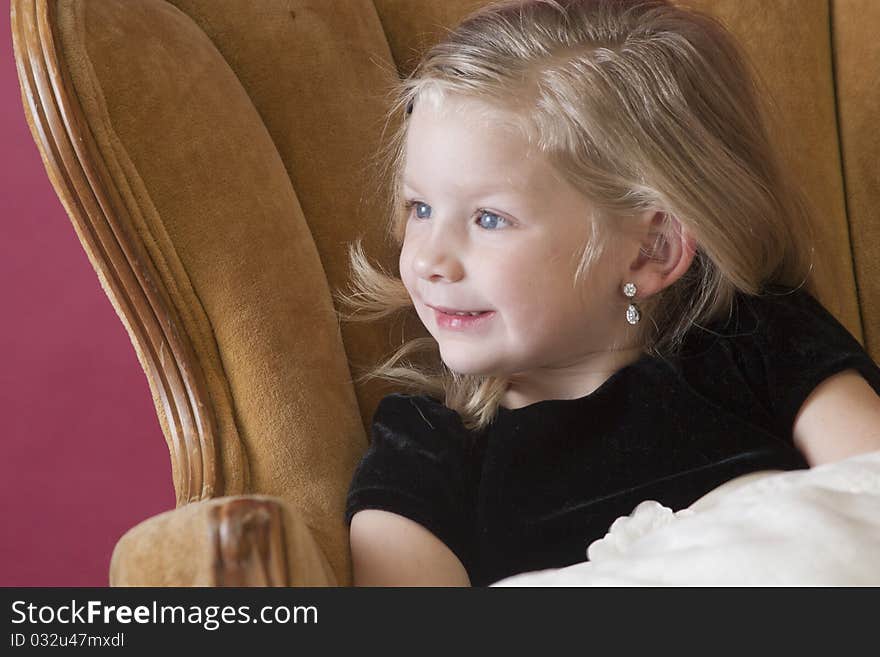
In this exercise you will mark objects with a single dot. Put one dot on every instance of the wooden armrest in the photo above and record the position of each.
(244, 540)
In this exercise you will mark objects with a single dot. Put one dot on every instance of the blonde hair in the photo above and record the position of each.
(639, 104)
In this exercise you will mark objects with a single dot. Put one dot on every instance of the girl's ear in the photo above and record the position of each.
(666, 250)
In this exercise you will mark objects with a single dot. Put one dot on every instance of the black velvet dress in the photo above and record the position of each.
(534, 489)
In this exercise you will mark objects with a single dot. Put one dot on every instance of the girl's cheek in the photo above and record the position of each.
(407, 283)
(403, 264)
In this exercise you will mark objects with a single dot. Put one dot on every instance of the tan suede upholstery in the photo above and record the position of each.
(164, 551)
(236, 134)
(856, 57)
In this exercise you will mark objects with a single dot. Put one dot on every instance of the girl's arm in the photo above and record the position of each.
(388, 549)
(840, 418)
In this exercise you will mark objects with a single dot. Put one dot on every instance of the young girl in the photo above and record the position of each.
(611, 264)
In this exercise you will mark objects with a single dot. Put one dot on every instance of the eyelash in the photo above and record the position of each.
(409, 204)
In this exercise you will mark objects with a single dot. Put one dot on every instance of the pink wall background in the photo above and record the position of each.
(84, 458)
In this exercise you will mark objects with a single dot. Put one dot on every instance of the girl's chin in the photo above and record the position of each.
(466, 367)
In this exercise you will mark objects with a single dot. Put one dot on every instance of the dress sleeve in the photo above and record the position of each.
(415, 467)
(799, 344)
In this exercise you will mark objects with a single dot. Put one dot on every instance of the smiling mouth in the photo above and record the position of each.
(465, 314)
(462, 322)
(458, 313)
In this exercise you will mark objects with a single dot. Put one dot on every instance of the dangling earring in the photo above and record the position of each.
(632, 312)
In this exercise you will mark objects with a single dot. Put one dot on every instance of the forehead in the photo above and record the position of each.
(468, 141)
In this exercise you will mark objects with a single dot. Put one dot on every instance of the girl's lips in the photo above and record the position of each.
(452, 311)
(461, 322)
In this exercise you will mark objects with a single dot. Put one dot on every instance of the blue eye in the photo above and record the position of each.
(491, 226)
(486, 213)
(418, 205)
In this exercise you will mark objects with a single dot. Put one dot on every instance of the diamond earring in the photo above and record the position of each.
(632, 312)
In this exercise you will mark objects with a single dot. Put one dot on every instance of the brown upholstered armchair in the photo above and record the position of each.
(210, 157)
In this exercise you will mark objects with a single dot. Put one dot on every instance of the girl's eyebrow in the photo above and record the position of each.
(483, 190)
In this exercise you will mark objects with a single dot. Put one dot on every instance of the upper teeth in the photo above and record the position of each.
(458, 313)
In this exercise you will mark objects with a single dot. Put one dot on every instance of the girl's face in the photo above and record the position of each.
(492, 228)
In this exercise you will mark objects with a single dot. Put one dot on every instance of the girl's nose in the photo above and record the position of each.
(438, 259)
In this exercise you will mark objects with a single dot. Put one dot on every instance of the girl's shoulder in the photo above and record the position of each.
(789, 321)
(416, 413)
(775, 347)
(415, 467)
(779, 299)
(778, 317)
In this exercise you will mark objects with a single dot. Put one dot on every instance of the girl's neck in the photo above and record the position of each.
(571, 381)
